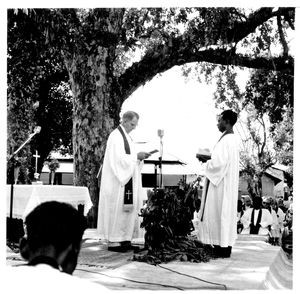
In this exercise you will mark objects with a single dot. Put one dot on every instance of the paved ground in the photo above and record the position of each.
(254, 264)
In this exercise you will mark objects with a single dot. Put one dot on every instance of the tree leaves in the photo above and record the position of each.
(44, 43)
(167, 221)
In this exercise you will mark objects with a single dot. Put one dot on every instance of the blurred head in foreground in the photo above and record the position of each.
(53, 230)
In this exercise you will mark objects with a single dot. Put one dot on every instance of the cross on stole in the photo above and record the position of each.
(128, 194)
(36, 159)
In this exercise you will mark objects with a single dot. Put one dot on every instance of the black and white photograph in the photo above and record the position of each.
(149, 146)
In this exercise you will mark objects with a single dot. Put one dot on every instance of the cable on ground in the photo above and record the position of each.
(134, 281)
(202, 280)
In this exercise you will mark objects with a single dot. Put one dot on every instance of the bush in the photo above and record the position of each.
(167, 219)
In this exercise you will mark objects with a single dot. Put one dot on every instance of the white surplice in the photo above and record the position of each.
(265, 222)
(115, 224)
(218, 226)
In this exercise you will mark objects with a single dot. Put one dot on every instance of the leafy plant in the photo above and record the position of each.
(53, 165)
(167, 219)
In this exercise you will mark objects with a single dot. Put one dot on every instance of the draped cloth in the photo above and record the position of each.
(218, 209)
(115, 222)
(254, 227)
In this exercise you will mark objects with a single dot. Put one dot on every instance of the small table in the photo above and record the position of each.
(27, 197)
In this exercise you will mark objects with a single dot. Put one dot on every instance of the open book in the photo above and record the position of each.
(203, 153)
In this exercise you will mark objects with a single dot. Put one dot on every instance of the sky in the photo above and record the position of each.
(183, 108)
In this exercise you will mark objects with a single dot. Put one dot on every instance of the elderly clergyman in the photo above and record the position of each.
(121, 186)
(217, 225)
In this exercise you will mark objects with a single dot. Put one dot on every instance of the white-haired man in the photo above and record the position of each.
(121, 186)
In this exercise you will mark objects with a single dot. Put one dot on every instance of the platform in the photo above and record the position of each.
(254, 265)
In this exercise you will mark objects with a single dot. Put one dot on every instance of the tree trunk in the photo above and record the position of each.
(95, 114)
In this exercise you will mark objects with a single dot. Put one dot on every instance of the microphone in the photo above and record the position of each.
(37, 130)
(160, 133)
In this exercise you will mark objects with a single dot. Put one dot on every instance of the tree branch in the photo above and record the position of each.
(159, 60)
(282, 38)
(241, 30)
(183, 49)
(265, 136)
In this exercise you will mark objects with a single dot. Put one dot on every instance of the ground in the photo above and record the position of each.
(254, 264)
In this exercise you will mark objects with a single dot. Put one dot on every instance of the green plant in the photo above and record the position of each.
(53, 165)
(167, 219)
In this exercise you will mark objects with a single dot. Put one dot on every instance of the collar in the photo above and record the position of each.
(226, 133)
(123, 129)
(126, 134)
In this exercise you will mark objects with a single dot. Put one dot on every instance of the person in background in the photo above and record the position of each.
(51, 245)
(121, 187)
(288, 202)
(274, 232)
(218, 210)
(281, 205)
(247, 203)
(280, 218)
(256, 220)
(240, 212)
(287, 234)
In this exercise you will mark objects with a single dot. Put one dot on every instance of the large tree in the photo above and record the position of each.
(96, 45)
(271, 95)
(38, 92)
(266, 104)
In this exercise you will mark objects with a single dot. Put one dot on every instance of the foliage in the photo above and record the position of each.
(92, 49)
(167, 219)
(53, 165)
(20, 163)
(283, 135)
(36, 93)
(270, 93)
(270, 97)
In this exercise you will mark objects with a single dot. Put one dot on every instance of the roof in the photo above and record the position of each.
(281, 167)
(171, 165)
(276, 174)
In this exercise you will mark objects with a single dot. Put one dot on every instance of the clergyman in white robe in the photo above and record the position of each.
(219, 204)
(265, 222)
(218, 209)
(115, 222)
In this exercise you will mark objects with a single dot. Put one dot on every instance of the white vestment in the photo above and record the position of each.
(218, 226)
(266, 221)
(115, 224)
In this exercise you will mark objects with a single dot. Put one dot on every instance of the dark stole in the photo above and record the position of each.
(128, 191)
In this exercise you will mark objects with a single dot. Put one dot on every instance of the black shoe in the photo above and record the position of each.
(225, 252)
(138, 249)
(131, 247)
(117, 248)
(216, 250)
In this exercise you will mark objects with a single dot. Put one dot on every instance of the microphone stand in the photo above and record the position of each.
(13, 161)
(160, 134)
